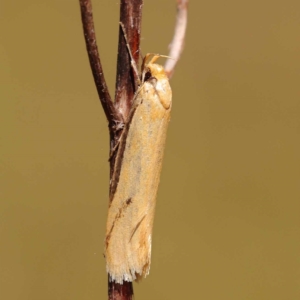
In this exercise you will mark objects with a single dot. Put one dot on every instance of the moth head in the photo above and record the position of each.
(155, 74)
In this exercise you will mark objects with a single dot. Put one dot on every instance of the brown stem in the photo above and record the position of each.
(118, 291)
(112, 115)
(177, 43)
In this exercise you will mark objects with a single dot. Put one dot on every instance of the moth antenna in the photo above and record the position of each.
(141, 55)
(132, 61)
(154, 58)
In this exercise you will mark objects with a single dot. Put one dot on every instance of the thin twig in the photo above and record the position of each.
(177, 43)
(111, 113)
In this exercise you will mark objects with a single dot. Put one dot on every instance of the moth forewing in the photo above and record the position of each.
(136, 178)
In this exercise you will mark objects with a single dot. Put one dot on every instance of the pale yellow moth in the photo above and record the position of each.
(136, 177)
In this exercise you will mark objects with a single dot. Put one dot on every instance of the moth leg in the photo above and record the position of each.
(117, 127)
(114, 149)
(124, 126)
(133, 64)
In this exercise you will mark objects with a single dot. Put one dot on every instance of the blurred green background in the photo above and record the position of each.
(227, 224)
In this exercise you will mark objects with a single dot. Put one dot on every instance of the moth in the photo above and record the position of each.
(136, 176)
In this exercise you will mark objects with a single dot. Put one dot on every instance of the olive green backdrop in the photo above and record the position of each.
(227, 224)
